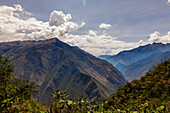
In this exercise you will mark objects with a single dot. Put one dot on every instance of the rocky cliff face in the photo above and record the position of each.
(54, 65)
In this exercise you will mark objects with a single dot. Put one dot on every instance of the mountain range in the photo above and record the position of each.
(136, 62)
(54, 65)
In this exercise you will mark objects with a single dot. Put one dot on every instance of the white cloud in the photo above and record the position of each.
(98, 44)
(6, 11)
(93, 33)
(154, 37)
(13, 26)
(168, 2)
(105, 26)
(18, 7)
(82, 24)
(105, 44)
(58, 18)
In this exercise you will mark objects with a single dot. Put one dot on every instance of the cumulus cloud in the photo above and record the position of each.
(58, 18)
(155, 37)
(17, 24)
(18, 7)
(14, 26)
(105, 26)
(6, 11)
(93, 33)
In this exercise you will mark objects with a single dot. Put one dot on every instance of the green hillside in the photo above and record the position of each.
(151, 91)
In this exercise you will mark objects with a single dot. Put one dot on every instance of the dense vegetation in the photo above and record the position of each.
(149, 94)
(13, 91)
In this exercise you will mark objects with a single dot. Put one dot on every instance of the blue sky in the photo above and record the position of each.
(132, 21)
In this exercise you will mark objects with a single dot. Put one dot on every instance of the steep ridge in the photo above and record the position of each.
(136, 62)
(54, 65)
(137, 69)
(150, 91)
(125, 58)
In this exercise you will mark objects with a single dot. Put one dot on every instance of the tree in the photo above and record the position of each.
(12, 89)
(6, 70)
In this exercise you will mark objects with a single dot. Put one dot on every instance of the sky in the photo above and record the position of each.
(100, 27)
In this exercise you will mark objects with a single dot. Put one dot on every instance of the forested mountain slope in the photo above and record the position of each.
(151, 91)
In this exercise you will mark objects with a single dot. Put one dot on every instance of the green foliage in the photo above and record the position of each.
(62, 104)
(28, 106)
(12, 89)
(151, 92)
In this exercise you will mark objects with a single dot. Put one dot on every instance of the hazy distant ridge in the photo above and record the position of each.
(136, 62)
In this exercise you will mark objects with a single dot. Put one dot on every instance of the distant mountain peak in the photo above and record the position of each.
(136, 62)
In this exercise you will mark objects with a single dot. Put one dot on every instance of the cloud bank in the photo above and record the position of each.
(18, 24)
